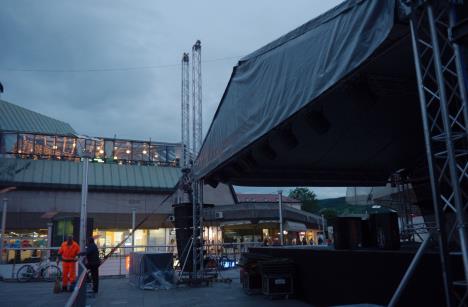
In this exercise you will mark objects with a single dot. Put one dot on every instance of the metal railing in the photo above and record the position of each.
(78, 296)
(117, 263)
(18, 256)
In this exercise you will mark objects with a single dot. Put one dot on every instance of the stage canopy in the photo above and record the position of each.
(332, 103)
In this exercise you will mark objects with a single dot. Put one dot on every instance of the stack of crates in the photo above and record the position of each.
(250, 275)
(277, 277)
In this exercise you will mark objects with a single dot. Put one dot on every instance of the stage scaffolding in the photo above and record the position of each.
(442, 84)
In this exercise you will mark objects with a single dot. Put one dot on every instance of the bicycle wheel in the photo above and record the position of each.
(51, 272)
(25, 273)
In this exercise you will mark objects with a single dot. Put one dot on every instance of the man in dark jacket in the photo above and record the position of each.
(92, 262)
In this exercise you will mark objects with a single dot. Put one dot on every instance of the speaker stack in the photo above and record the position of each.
(379, 230)
(183, 222)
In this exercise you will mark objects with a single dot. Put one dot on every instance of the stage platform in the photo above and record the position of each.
(327, 277)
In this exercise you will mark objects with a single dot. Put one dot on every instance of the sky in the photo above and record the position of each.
(112, 67)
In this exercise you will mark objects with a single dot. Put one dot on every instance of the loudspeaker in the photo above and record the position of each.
(347, 232)
(384, 230)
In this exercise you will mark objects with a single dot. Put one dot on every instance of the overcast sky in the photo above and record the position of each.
(50, 51)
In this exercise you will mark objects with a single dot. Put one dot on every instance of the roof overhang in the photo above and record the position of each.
(332, 103)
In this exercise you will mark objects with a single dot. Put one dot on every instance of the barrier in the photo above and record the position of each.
(78, 296)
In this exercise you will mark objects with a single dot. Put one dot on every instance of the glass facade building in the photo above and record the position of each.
(36, 146)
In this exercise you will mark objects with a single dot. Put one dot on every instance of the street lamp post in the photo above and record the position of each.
(280, 208)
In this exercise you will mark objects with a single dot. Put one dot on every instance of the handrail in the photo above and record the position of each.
(79, 284)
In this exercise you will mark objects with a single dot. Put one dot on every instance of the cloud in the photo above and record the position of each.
(110, 33)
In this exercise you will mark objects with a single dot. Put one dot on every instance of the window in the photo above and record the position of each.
(123, 150)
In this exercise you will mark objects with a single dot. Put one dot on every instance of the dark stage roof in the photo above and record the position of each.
(332, 103)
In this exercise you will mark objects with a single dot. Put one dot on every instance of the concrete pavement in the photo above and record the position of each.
(118, 292)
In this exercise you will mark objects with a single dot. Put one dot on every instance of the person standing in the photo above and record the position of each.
(68, 252)
(92, 262)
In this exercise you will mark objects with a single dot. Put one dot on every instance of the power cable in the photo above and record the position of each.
(115, 69)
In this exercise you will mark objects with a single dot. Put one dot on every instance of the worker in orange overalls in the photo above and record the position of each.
(69, 252)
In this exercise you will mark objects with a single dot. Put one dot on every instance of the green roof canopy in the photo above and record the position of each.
(67, 175)
(16, 118)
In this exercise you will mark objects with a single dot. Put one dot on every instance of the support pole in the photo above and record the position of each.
(133, 228)
(323, 228)
(84, 200)
(409, 273)
(49, 238)
(280, 208)
(4, 213)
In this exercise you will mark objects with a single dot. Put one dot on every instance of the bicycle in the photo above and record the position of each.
(42, 270)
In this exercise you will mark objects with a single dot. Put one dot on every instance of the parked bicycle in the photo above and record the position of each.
(42, 270)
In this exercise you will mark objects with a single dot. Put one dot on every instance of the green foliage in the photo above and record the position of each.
(311, 206)
(329, 214)
(302, 194)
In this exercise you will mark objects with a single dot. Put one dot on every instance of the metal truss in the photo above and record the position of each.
(196, 98)
(185, 107)
(197, 246)
(442, 91)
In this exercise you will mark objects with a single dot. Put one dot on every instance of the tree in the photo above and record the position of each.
(329, 214)
(307, 198)
(302, 194)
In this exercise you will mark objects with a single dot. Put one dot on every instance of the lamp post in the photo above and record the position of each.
(280, 208)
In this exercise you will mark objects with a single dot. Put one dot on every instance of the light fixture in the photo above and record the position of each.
(145, 152)
(74, 144)
(156, 155)
(101, 151)
(127, 151)
(19, 151)
(115, 158)
(54, 147)
(98, 148)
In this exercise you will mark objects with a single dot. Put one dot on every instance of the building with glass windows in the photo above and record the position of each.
(40, 156)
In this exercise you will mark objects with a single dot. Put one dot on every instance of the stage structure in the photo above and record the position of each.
(197, 136)
(192, 140)
(185, 108)
(442, 87)
(282, 101)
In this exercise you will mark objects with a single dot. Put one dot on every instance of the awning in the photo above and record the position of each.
(294, 226)
(332, 103)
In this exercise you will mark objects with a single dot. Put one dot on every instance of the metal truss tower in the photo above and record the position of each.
(197, 244)
(442, 87)
(196, 98)
(185, 107)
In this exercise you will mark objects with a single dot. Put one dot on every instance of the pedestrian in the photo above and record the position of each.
(68, 252)
(304, 241)
(320, 240)
(92, 262)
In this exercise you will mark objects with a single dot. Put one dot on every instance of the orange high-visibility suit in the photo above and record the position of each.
(69, 253)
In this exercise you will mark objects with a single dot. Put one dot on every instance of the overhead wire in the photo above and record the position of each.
(108, 69)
